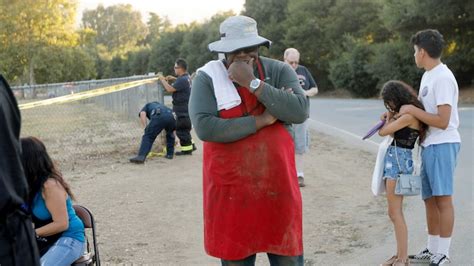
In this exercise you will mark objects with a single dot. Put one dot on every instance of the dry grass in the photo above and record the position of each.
(81, 133)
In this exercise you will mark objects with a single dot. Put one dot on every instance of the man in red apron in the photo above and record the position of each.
(242, 107)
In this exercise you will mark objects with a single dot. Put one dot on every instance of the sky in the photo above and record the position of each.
(178, 11)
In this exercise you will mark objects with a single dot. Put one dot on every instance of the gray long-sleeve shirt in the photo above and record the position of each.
(291, 108)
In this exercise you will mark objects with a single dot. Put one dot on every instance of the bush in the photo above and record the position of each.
(394, 60)
(351, 72)
(63, 64)
(460, 60)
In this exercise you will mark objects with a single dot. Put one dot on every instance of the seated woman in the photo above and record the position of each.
(60, 232)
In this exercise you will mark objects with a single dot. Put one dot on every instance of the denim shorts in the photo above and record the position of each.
(391, 169)
(438, 162)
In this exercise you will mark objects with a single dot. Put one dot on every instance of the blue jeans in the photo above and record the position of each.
(165, 121)
(64, 252)
(275, 260)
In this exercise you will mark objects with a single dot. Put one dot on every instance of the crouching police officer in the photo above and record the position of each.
(160, 117)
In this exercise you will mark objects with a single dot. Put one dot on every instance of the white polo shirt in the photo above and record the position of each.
(439, 87)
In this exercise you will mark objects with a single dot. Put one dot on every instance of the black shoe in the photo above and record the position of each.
(301, 181)
(194, 147)
(169, 156)
(140, 159)
(179, 153)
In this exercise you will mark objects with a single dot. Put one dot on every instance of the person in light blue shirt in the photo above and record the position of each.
(59, 231)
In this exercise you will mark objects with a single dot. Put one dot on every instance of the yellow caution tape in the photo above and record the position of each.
(86, 94)
(157, 154)
(152, 154)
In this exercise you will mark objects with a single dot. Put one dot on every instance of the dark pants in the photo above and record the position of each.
(183, 131)
(17, 241)
(158, 122)
(275, 260)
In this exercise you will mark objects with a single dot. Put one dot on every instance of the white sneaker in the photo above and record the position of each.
(424, 255)
(438, 259)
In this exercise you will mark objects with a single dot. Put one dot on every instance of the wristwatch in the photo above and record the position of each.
(254, 84)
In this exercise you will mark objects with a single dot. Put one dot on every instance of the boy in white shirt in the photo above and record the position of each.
(439, 95)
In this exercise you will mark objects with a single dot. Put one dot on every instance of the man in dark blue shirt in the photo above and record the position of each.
(160, 117)
(181, 89)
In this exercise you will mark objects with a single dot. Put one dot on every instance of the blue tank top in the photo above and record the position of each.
(76, 227)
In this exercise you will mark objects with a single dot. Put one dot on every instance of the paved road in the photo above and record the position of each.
(350, 119)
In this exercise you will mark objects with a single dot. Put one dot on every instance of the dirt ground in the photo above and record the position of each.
(152, 213)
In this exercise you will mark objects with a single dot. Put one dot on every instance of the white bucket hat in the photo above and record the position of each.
(236, 33)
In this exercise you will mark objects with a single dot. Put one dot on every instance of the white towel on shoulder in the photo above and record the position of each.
(226, 94)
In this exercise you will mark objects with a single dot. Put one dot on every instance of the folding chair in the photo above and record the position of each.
(89, 258)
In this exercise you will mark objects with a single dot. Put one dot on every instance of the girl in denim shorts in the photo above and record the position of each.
(405, 129)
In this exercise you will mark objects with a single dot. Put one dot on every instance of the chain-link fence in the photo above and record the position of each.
(51, 90)
(79, 132)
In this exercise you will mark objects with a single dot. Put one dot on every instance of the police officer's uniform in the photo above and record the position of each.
(182, 85)
(160, 117)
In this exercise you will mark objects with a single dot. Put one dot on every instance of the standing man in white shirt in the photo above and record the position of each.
(439, 95)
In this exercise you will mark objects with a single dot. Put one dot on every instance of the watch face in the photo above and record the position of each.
(254, 84)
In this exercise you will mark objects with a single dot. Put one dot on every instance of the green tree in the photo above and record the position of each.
(453, 18)
(87, 38)
(394, 60)
(156, 25)
(359, 18)
(118, 27)
(27, 26)
(116, 68)
(63, 64)
(166, 50)
(269, 14)
(138, 61)
(194, 47)
(317, 29)
(351, 70)
(305, 31)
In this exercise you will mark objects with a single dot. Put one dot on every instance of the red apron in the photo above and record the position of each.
(252, 201)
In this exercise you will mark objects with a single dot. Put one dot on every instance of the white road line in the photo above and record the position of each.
(358, 108)
(318, 124)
